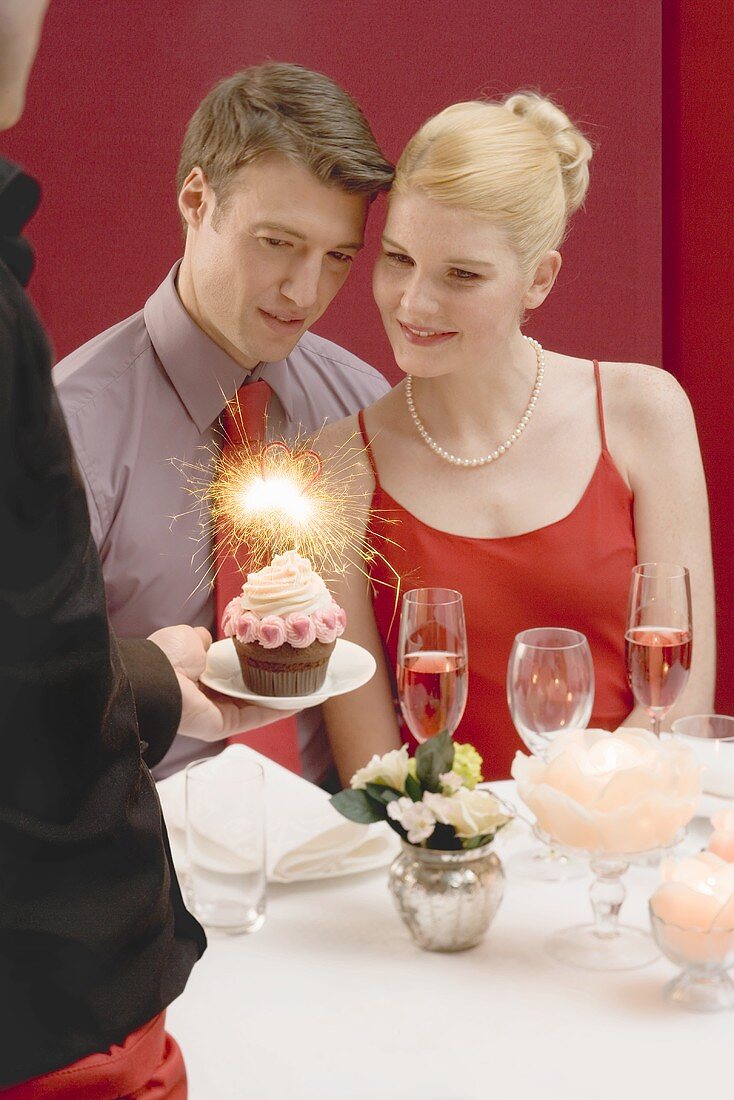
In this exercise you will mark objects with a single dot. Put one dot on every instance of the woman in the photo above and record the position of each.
(530, 480)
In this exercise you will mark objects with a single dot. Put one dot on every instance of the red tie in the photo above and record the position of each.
(243, 421)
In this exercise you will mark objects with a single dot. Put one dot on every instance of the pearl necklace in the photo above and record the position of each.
(503, 447)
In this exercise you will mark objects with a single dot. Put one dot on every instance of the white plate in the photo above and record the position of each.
(350, 666)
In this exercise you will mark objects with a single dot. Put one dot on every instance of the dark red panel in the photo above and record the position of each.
(699, 262)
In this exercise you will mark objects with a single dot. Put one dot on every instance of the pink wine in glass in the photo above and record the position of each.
(432, 689)
(658, 663)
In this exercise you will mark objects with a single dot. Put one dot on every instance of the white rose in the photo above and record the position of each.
(450, 782)
(471, 812)
(391, 770)
(415, 817)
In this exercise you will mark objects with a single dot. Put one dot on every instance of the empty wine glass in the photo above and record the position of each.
(432, 666)
(658, 639)
(550, 688)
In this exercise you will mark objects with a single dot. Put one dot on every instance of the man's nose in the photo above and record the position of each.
(301, 285)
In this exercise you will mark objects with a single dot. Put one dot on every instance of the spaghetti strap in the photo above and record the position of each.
(600, 406)
(368, 449)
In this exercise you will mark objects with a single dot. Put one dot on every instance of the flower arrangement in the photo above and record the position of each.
(431, 800)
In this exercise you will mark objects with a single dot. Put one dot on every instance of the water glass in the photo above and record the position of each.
(711, 738)
(225, 844)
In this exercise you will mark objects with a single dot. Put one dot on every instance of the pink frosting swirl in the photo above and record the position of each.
(271, 632)
(326, 625)
(246, 630)
(300, 630)
(239, 624)
(330, 624)
(228, 619)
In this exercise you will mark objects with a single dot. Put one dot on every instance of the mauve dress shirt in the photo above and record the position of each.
(151, 389)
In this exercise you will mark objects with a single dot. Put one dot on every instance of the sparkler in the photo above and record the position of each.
(265, 499)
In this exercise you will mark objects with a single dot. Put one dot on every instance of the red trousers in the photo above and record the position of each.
(147, 1066)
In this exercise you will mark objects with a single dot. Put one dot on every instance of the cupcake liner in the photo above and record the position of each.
(283, 671)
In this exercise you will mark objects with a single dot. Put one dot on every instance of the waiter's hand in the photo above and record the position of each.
(206, 714)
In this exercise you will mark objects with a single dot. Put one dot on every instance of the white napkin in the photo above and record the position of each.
(306, 837)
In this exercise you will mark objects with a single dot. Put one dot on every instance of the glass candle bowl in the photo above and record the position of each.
(704, 955)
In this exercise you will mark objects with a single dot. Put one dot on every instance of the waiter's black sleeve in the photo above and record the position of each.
(157, 696)
(94, 937)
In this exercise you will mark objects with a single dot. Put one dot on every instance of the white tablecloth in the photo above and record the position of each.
(331, 1000)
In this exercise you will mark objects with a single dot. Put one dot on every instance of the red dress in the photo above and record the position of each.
(573, 573)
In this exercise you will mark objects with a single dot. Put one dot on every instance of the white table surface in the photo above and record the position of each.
(332, 999)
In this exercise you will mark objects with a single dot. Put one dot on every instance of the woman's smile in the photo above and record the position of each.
(424, 337)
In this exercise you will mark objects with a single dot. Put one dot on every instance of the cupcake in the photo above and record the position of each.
(284, 625)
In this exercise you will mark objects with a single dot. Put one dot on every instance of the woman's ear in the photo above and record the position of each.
(545, 276)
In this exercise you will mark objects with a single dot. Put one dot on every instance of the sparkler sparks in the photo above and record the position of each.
(265, 499)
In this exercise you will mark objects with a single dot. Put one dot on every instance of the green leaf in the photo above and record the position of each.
(382, 793)
(433, 758)
(476, 841)
(358, 806)
(413, 788)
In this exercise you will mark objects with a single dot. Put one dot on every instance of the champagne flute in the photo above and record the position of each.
(432, 667)
(550, 688)
(659, 635)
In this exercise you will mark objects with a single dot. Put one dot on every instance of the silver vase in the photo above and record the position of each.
(447, 899)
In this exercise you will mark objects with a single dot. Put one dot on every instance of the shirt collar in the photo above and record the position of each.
(204, 376)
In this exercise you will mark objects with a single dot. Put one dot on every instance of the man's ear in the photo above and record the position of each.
(545, 276)
(195, 198)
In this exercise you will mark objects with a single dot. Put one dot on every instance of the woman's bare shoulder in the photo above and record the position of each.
(343, 439)
(342, 450)
(337, 435)
(638, 394)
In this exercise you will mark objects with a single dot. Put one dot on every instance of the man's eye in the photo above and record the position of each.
(341, 257)
(397, 258)
(274, 242)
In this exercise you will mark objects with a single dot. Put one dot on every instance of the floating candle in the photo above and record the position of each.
(613, 793)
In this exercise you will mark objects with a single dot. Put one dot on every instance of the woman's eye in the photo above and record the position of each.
(341, 257)
(397, 257)
(274, 242)
(464, 276)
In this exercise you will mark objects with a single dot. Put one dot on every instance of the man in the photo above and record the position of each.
(277, 170)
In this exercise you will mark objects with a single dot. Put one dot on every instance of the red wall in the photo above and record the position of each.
(115, 83)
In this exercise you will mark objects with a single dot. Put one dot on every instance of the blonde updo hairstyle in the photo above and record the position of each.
(520, 162)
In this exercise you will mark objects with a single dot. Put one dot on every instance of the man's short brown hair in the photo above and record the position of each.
(282, 108)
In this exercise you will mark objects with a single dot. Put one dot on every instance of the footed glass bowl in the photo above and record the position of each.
(605, 944)
(705, 956)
